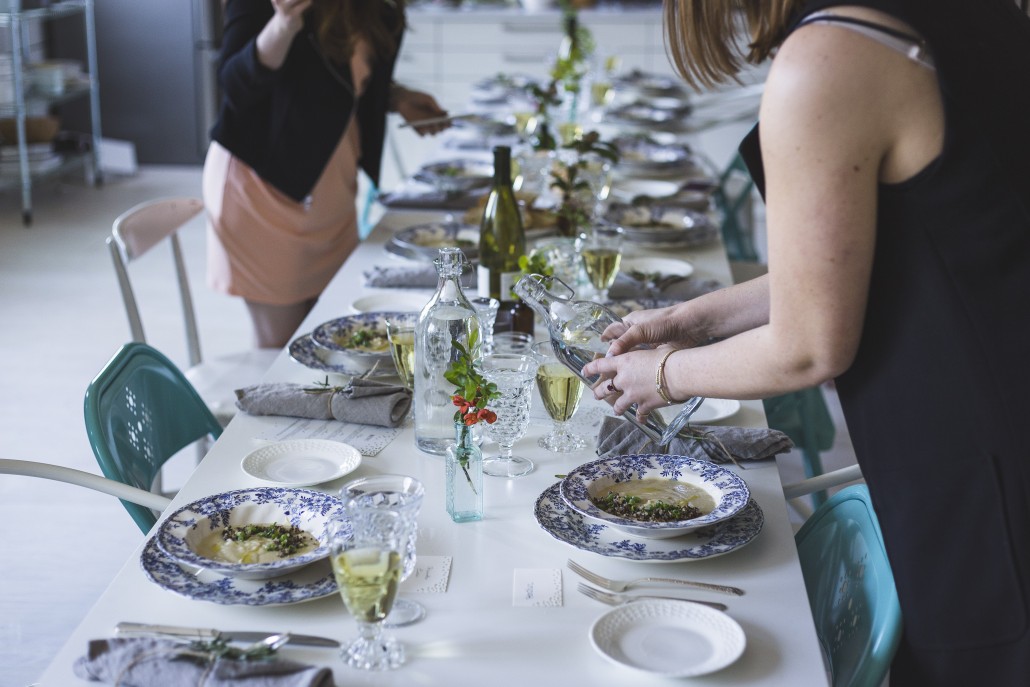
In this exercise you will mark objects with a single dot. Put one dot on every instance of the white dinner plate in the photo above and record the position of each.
(663, 267)
(301, 462)
(712, 410)
(402, 301)
(628, 189)
(668, 638)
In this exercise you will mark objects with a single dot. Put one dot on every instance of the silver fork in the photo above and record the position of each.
(613, 599)
(623, 585)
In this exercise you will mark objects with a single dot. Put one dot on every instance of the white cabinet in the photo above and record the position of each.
(446, 51)
(20, 24)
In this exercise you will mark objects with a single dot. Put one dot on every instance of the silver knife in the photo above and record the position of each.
(144, 630)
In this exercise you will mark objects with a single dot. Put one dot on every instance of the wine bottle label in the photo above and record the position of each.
(507, 280)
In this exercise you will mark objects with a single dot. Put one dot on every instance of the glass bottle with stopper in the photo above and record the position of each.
(575, 328)
(502, 241)
(446, 318)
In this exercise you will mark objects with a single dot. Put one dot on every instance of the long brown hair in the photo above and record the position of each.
(339, 23)
(702, 37)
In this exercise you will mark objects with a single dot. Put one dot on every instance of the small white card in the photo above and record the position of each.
(431, 575)
(539, 587)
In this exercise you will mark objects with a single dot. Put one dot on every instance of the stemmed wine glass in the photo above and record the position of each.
(600, 249)
(367, 555)
(401, 335)
(513, 374)
(560, 390)
(403, 495)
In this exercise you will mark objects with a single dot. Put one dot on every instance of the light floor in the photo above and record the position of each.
(61, 318)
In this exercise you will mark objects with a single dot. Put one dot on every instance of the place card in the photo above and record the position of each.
(430, 575)
(539, 587)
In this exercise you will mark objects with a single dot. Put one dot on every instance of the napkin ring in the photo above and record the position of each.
(659, 379)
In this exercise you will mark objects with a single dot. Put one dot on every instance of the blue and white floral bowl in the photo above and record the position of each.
(180, 535)
(729, 492)
(330, 339)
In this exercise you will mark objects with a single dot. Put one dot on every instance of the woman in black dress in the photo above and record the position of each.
(894, 159)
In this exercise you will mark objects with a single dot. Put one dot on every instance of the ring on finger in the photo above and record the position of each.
(611, 387)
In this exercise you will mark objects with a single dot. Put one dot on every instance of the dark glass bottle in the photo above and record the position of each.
(502, 241)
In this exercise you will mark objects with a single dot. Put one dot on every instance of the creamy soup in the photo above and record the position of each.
(250, 544)
(655, 499)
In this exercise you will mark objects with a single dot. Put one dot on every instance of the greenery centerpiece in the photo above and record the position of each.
(585, 159)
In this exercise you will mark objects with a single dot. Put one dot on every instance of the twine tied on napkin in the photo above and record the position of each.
(362, 401)
(148, 662)
(718, 444)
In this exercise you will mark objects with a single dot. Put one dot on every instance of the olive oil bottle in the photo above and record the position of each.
(502, 241)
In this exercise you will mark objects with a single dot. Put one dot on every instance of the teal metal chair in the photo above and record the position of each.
(804, 417)
(140, 411)
(734, 200)
(850, 588)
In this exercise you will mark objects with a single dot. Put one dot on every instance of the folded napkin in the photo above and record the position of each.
(431, 199)
(146, 662)
(412, 277)
(667, 288)
(363, 401)
(617, 437)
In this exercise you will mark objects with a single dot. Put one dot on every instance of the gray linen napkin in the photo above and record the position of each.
(363, 401)
(617, 437)
(146, 662)
(669, 288)
(412, 277)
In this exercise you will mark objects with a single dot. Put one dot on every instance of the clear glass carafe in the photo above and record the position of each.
(575, 328)
(447, 318)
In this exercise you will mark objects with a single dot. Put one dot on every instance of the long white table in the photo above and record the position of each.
(472, 634)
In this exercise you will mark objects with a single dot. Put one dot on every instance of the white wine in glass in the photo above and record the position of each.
(600, 249)
(560, 390)
(402, 348)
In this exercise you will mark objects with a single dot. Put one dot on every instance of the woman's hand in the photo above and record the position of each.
(629, 378)
(274, 40)
(416, 105)
(653, 327)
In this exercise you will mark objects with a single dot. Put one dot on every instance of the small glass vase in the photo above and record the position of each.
(464, 476)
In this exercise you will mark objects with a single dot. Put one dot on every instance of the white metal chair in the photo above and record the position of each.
(60, 473)
(135, 232)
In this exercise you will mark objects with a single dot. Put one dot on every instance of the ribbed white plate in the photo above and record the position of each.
(401, 301)
(302, 462)
(668, 638)
(712, 410)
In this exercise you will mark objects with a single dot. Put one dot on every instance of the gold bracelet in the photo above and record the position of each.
(659, 379)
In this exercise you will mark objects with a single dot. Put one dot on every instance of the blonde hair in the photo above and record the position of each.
(702, 37)
(339, 23)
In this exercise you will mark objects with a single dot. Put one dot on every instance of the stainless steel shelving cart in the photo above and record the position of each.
(13, 15)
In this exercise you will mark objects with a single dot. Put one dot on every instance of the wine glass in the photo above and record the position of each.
(513, 374)
(600, 249)
(560, 390)
(511, 342)
(403, 495)
(367, 556)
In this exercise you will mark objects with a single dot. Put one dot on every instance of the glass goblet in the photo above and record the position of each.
(600, 249)
(486, 309)
(403, 495)
(367, 555)
(560, 390)
(514, 375)
(512, 342)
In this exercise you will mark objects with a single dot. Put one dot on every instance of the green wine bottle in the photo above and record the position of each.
(502, 241)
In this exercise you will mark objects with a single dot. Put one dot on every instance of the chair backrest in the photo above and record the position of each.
(138, 230)
(733, 197)
(850, 588)
(140, 411)
(805, 418)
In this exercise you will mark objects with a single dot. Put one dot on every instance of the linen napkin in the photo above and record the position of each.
(149, 662)
(362, 401)
(412, 277)
(667, 288)
(617, 437)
